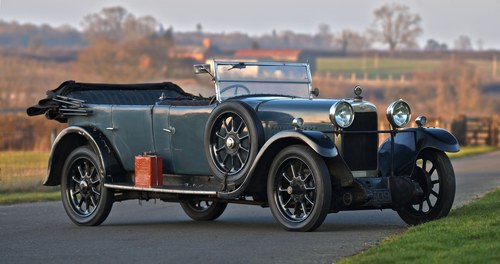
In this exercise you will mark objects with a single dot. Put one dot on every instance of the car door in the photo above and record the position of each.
(163, 136)
(187, 143)
(132, 130)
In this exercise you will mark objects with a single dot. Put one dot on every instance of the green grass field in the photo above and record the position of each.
(470, 234)
(22, 171)
(389, 66)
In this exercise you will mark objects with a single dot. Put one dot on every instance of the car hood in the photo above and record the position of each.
(278, 112)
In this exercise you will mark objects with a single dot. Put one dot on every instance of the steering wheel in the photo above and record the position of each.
(236, 87)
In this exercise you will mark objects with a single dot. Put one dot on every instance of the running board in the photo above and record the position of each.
(174, 190)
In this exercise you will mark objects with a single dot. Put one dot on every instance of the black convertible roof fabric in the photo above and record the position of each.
(71, 96)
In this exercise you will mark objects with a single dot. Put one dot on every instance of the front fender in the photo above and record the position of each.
(316, 140)
(409, 143)
(73, 137)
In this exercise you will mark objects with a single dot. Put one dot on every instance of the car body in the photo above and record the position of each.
(262, 139)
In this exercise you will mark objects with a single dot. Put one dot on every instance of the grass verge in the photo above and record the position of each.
(470, 234)
(472, 150)
(29, 197)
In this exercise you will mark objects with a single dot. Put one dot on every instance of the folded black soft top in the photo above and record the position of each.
(69, 98)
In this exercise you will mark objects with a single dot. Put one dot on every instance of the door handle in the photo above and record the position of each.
(169, 130)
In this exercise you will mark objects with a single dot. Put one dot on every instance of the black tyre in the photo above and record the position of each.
(85, 199)
(202, 210)
(233, 136)
(436, 177)
(299, 189)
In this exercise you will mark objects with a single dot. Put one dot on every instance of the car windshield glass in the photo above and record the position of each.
(236, 79)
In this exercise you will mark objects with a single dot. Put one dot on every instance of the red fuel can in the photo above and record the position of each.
(148, 170)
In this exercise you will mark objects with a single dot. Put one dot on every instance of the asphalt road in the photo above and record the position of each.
(161, 233)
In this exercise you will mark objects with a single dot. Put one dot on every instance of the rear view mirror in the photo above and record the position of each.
(201, 68)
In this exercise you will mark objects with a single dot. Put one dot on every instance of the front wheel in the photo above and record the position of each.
(434, 173)
(85, 199)
(201, 210)
(299, 189)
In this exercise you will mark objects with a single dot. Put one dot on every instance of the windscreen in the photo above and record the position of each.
(247, 79)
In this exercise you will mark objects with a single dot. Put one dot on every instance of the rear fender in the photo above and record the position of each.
(74, 137)
(316, 140)
(409, 143)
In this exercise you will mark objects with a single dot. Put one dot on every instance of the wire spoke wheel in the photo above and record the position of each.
(230, 143)
(84, 197)
(296, 193)
(434, 173)
(233, 136)
(203, 210)
(299, 190)
(84, 188)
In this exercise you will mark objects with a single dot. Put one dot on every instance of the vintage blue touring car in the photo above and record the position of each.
(262, 139)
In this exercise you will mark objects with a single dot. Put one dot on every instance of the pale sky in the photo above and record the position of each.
(443, 20)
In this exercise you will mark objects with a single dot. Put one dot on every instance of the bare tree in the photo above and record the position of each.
(352, 41)
(395, 26)
(116, 23)
(463, 42)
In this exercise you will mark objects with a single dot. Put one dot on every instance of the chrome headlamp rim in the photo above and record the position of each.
(334, 113)
(390, 114)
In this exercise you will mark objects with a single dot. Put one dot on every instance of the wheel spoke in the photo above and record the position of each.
(243, 137)
(434, 193)
(309, 200)
(435, 181)
(80, 203)
(93, 202)
(306, 176)
(242, 123)
(432, 170)
(239, 158)
(293, 171)
(424, 164)
(219, 135)
(285, 205)
(286, 177)
(95, 191)
(429, 203)
(225, 159)
(420, 206)
(75, 180)
(244, 149)
(221, 148)
(82, 174)
(94, 182)
(310, 188)
(303, 205)
(282, 190)
(232, 123)
(225, 126)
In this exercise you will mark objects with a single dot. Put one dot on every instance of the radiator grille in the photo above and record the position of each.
(360, 150)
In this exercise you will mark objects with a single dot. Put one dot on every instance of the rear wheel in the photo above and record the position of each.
(434, 173)
(202, 210)
(299, 189)
(85, 199)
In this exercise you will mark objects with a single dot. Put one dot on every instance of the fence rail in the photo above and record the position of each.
(477, 130)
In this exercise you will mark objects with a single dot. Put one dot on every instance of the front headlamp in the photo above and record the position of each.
(399, 113)
(342, 114)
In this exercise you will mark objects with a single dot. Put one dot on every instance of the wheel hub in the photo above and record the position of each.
(232, 143)
(83, 186)
(297, 189)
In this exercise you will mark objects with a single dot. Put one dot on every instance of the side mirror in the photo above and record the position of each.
(315, 92)
(201, 68)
